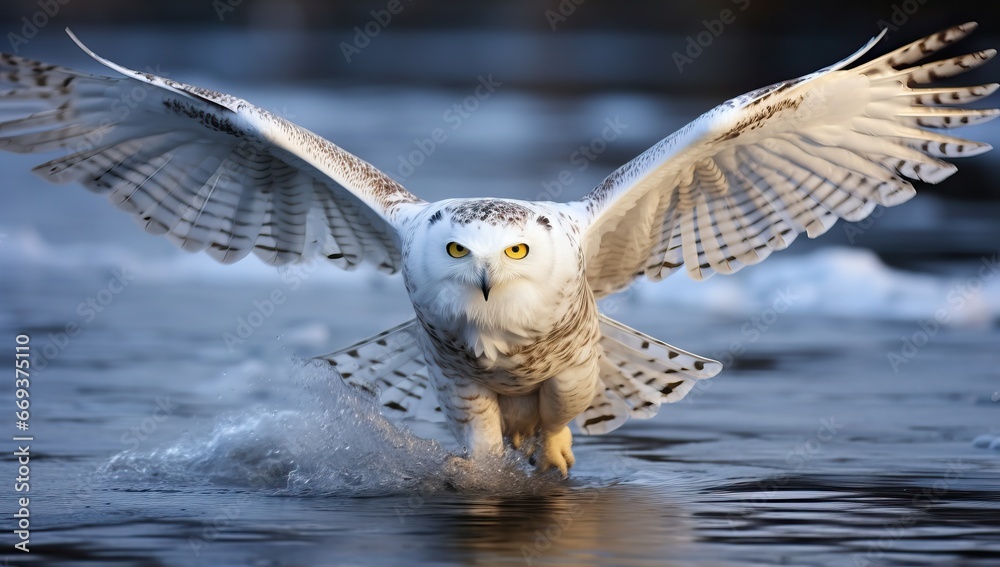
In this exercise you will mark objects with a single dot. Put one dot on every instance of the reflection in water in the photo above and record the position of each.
(603, 525)
(869, 520)
(256, 469)
(332, 454)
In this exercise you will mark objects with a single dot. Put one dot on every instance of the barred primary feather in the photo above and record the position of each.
(214, 173)
(745, 178)
(208, 170)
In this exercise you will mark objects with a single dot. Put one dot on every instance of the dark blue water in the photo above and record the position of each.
(847, 429)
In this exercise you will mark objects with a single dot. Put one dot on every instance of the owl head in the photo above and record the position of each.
(490, 258)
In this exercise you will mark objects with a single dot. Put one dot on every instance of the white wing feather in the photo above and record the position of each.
(391, 366)
(211, 171)
(748, 176)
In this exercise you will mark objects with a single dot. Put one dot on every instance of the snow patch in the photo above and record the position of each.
(838, 282)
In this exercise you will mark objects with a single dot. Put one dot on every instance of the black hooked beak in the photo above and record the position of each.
(484, 284)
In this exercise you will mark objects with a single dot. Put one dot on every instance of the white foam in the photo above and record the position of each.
(334, 441)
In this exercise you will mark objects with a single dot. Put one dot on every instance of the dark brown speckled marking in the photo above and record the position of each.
(210, 120)
(724, 191)
(491, 211)
(759, 118)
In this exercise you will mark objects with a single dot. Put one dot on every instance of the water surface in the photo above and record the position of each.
(157, 442)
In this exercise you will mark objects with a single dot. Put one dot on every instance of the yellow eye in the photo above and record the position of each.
(456, 250)
(517, 251)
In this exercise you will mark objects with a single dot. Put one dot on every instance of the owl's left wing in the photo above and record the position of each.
(208, 170)
(748, 176)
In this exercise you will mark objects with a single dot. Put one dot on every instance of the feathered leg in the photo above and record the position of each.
(560, 399)
(520, 420)
(473, 414)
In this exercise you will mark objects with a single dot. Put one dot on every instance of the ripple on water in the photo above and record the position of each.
(333, 442)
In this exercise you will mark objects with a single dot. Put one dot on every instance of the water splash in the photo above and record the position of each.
(331, 441)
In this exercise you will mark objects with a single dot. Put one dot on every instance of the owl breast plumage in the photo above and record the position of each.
(508, 344)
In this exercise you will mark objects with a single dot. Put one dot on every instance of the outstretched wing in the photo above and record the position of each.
(748, 176)
(390, 366)
(211, 171)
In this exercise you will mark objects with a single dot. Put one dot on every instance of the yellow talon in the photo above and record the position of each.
(555, 452)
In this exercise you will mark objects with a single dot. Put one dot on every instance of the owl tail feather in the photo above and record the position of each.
(638, 373)
(390, 366)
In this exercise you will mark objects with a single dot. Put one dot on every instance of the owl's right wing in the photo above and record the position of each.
(211, 171)
(745, 178)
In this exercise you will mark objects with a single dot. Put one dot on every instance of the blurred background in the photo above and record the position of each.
(535, 100)
(376, 77)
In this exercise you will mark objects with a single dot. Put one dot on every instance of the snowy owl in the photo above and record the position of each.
(507, 333)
